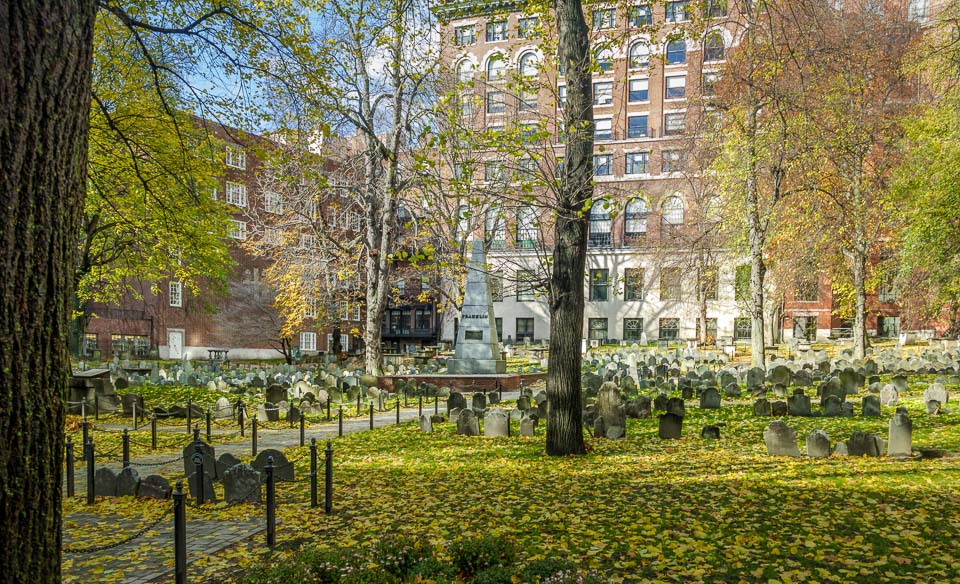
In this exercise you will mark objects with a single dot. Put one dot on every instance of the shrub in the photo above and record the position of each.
(495, 575)
(574, 577)
(474, 554)
(326, 566)
(539, 570)
(398, 554)
(369, 577)
(433, 569)
(292, 573)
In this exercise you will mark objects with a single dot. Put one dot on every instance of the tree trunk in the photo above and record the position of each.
(701, 304)
(45, 56)
(564, 420)
(859, 260)
(336, 347)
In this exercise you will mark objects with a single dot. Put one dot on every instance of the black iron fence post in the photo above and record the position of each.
(135, 425)
(126, 448)
(420, 407)
(271, 505)
(358, 403)
(153, 431)
(313, 472)
(340, 423)
(209, 433)
(371, 415)
(303, 429)
(86, 431)
(240, 412)
(253, 434)
(198, 472)
(436, 404)
(89, 456)
(180, 534)
(398, 411)
(70, 482)
(96, 408)
(189, 416)
(328, 480)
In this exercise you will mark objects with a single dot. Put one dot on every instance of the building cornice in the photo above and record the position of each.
(448, 10)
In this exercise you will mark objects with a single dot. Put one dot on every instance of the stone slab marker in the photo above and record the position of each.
(495, 423)
(818, 444)
(901, 435)
(478, 348)
(780, 440)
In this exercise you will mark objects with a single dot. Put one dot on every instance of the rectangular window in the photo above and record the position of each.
(308, 341)
(742, 329)
(603, 93)
(238, 229)
(604, 18)
(527, 28)
(887, 292)
(711, 283)
(640, 15)
(672, 161)
(715, 8)
(464, 36)
(632, 329)
(496, 31)
(528, 101)
(676, 87)
(422, 319)
(888, 327)
(271, 236)
(602, 164)
(599, 285)
(597, 329)
(466, 105)
(637, 162)
(633, 284)
(272, 202)
(236, 157)
(493, 171)
(677, 11)
(709, 88)
(637, 126)
(670, 284)
(524, 283)
(669, 329)
(711, 329)
(136, 345)
(343, 310)
(215, 193)
(603, 129)
(176, 294)
(526, 228)
(237, 194)
(674, 123)
(496, 288)
(562, 95)
(525, 329)
(308, 241)
(311, 303)
(496, 102)
(741, 283)
(639, 90)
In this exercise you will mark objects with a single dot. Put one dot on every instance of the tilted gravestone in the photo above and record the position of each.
(818, 444)
(780, 439)
(870, 406)
(671, 426)
(156, 487)
(864, 444)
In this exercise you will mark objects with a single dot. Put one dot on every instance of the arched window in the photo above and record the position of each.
(672, 211)
(635, 219)
(465, 71)
(711, 210)
(714, 48)
(496, 67)
(676, 52)
(600, 224)
(604, 59)
(639, 55)
(529, 65)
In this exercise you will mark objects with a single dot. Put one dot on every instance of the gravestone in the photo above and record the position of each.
(936, 391)
(671, 426)
(639, 408)
(710, 399)
(128, 400)
(156, 487)
(241, 482)
(834, 388)
(818, 444)
(780, 440)
(599, 427)
(275, 394)
(899, 382)
(889, 395)
(611, 410)
(454, 414)
(660, 402)
(477, 348)
(496, 424)
(780, 375)
(864, 444)
(933, 407)
(832, 407)
(226, 461)
(528, 425)
(761, 408)
(870, 406)
(851, 381)
(840, 449)
(282, 468)
(710, 433)
(223, 409)
(493, 398)
(209, 459)
(778, 409)
(900, 435)
(195, 482)
(467, 423)
(755, 377)
(732, 390)
(456, 400)
(798, 404)
(128, 482)
(426, 424)
(437, 419)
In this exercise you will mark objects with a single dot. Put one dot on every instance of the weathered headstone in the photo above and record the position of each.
(710, 432)
(527, 426)
(832, 407)
(862, 443)
(900, 435)
(870, 406)
(671, 426)
(710, 399)
(282, 468)
(467, 423)
(223, 408)
(676, 407)
(611, 409)
(761, 408)
(523, 403)
(128, 482)
(778, 409)
(496, 423)
(933, 407)
(660, 402)
(426, 424)
(780, 439)
(840, 449)
(275, 393)
(936, 391)
(818, 444)
(226, 461)
(889, 395)
(105, 482)
(456, 400)
(156, 487)
(798, 404)
(241, 482)
(129, 400)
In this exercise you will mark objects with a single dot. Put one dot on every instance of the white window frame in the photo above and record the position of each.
(176, 294)
(238, 230)
(237, 194)
(272, 202)
(311, 303)
(607, 93)
(343, 310)
(678, 81)
(356, 313)
(236, 157)
(308, 341)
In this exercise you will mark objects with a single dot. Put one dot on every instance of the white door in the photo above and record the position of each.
(175, 343)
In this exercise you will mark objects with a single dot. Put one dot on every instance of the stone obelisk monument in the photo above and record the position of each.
(478, 348)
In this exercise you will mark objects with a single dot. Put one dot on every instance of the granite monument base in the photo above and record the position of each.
(476, 366)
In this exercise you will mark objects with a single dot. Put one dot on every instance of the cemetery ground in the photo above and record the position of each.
(632, 510)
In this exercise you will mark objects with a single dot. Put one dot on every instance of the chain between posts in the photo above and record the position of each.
(109, 546)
